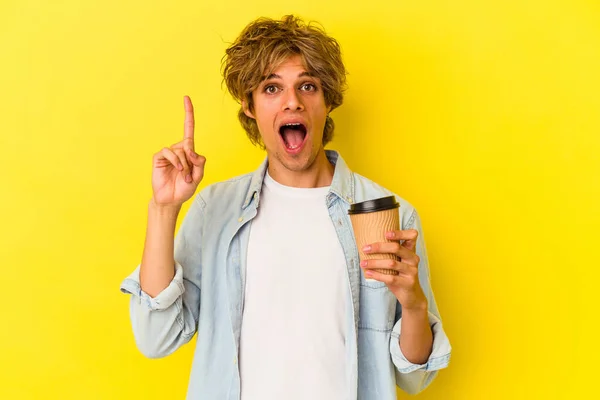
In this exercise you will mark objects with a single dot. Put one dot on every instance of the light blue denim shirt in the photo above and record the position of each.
(206, 294)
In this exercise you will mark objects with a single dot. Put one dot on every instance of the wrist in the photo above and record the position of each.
(417, 308)
(164, 209)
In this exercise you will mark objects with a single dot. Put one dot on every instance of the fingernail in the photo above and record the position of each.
(363, 263)
(389, 235)
(368, 273)
(194, 154)
(188, 178)
(179, 166)
(367, 248)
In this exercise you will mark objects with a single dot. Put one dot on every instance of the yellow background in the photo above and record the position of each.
(483, 114)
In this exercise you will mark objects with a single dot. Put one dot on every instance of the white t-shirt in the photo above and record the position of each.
(293, 342)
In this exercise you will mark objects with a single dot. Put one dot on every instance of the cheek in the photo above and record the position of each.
(320, 115)
(264, 120)
(263, 110)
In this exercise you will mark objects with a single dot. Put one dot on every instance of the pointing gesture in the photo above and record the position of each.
(188, 126)
(177, 170)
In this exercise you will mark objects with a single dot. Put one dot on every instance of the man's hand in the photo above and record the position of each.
(177, 170)
(405, 286)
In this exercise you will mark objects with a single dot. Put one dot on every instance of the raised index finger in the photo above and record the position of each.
(188, 126)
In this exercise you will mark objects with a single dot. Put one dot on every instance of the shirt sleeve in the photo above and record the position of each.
(164, 300)
(414, 378)
(410, 377)
(163, 323)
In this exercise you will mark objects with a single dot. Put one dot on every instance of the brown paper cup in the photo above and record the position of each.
(370, 223)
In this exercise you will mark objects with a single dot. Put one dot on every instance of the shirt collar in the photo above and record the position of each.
(342, 185)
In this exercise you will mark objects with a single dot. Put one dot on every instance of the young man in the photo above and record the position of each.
(265, 267)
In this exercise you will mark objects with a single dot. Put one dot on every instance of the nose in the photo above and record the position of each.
(291, 101)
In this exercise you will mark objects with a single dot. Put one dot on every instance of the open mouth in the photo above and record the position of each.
(293, 135)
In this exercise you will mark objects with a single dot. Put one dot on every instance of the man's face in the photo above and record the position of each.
(290, 111)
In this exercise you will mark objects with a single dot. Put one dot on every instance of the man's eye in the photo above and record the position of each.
(270, 89)
(308, 87)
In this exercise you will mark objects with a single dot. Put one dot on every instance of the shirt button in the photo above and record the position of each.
(240, 219)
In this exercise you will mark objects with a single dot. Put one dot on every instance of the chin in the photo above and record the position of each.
(297, 162)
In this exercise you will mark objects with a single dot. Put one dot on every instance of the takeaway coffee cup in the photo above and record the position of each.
(370, 221)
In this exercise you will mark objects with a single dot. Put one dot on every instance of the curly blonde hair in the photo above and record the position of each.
(264, 45)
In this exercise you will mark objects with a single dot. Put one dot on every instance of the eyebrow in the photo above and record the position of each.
(275, 76)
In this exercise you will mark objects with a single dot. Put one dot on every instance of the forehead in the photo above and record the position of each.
(294, 61)
(291, 67)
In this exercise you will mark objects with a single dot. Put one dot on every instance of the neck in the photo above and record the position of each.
(318, 174)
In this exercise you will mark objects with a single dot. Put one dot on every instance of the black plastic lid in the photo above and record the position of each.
(381, 204)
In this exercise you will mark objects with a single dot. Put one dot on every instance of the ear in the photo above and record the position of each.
(247, 110)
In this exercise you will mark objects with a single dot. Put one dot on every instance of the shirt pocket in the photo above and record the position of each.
(377, 307)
